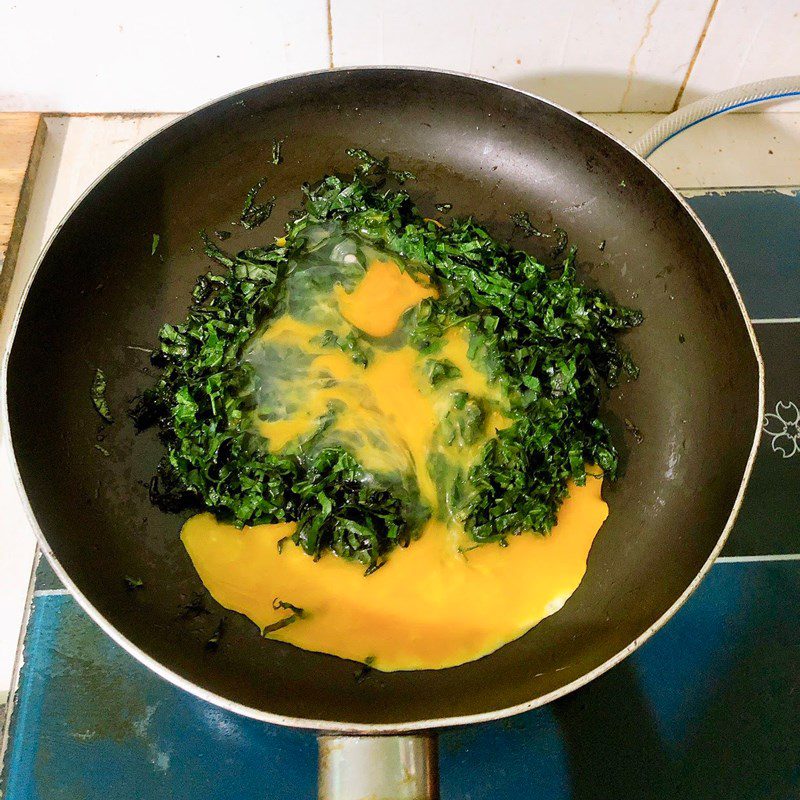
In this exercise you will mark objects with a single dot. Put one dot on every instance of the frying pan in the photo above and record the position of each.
(98, 293)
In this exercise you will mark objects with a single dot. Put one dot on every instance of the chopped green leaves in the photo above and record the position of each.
(212, 645)
(463, 424)
(98, 395)
(297, 614)
(154, 245)
(196, 607)
(561, 242)
(370, 167)
(277, 151)
(634, 431)
(549, 340)
(254, 214)
(353, 344)
(366, 670)
(281, 623)
(442, 370)
(278, 604)
(212, 251)
(522, 220)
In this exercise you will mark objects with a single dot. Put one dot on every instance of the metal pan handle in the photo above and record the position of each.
(378, 767)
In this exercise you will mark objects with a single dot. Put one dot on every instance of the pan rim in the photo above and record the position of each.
(378, 728)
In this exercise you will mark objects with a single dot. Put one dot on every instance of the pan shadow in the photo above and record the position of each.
(611, 739)
(708, 709)
(600, 92)
(669, 724)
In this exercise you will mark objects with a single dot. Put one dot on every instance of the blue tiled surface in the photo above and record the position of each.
(758, 232)
(769, 520)
(709, 708)
(93, 723)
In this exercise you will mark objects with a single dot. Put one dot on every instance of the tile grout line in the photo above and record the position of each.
(739, 187)
(329, 13)
(754, 559)
(693, 60)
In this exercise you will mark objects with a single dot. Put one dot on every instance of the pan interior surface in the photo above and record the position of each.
(99, 294)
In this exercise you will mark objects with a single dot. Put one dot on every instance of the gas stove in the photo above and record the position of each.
(708, 708)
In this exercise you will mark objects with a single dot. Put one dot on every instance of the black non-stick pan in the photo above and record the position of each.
(98, 294)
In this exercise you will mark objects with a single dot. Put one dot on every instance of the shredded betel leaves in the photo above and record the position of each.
(499, 458)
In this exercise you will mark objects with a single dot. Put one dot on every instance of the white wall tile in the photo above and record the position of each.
(106, 55)
(591, 55)
(735, 150)
(588, 55)
(748, 40)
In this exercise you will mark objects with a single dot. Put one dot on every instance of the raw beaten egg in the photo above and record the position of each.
(431, 606)
(443, 600)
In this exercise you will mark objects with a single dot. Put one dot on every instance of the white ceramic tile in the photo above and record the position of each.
(734, 150)
(96, 55)
(588, 55)
(748, 40)
(76, 151)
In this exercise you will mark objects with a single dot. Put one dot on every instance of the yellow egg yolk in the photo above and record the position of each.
(379, 301)
(431, 606)
(443, 600)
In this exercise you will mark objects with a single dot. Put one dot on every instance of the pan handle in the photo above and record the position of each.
(378, 767)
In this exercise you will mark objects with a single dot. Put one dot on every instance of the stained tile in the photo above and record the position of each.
(625, 56)
(45, 579)
(758, 232)
(708, 708)
(16, 560)
(91, 722)
(732, 150)
(747, 41)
